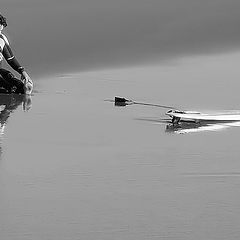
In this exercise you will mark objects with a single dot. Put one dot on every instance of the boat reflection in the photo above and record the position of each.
(8, 104)
(192, 127)
(184, 127)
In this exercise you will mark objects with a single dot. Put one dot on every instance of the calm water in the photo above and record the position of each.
(76, 167)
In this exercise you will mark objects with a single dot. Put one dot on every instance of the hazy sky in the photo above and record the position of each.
(58, 35)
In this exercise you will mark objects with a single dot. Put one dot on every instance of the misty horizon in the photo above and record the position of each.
(84, 35)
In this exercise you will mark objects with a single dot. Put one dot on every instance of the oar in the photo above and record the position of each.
(120, 101)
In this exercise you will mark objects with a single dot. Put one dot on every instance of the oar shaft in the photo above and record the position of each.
(154, 105)
(120, 101)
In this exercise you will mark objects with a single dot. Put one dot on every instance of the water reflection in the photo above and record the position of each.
(191, 127)
(184, 127)
(8, 104)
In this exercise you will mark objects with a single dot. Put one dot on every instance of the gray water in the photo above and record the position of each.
(77, 167)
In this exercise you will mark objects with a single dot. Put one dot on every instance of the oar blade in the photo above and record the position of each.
(120, 101)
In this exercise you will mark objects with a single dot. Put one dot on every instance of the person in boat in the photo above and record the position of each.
(8, 82)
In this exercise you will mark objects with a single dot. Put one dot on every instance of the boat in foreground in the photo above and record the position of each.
(177, 115)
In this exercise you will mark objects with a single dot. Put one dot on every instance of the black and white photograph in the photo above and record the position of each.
(119, 120)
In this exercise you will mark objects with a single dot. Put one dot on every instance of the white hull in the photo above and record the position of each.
(197, 116)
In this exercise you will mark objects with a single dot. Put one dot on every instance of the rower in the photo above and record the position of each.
(8, 82)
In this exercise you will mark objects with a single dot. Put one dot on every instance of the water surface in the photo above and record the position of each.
(77, 167)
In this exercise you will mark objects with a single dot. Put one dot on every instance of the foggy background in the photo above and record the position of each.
(56, 36)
